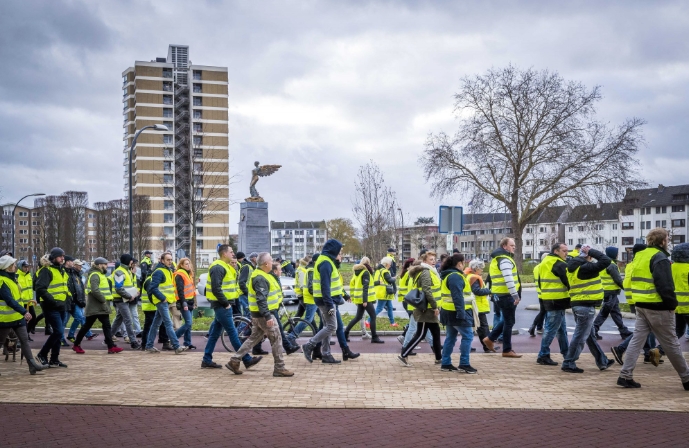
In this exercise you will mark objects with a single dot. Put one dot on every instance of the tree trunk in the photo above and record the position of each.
(517, 232)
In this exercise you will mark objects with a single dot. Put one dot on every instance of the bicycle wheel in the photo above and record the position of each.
(289, 325)
(243, 326)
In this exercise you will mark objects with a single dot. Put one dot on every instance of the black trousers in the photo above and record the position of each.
(148, 321)
(681, 322)
(483, 329)
(421, 329)
(610, 307)
(540, 317)
(360, 308)
(104, 320)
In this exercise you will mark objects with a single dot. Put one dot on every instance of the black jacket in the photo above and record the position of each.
(76, 287)
(48, 303)
(216, 275)
(244, 277)
(662, 279)
(560, 271)
(262, 288)
(589, 270)
(6, 296)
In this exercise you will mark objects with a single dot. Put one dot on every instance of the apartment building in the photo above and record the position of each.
(482, 233)
(292, 240)
(184, 171)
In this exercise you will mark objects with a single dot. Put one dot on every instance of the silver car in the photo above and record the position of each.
(290, 297)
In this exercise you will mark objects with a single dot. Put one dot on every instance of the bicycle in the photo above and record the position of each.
(243, 326)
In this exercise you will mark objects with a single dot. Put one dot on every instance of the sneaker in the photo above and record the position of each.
(168, 347)
(71, 339)
(394, 324)
(282, 373)
(118, 335)
(92, 337)
(448, 368)
(377, 340)
(467, 369)
(628, 384)
(404, 361)
(58, 363)
(180, 350)
(617, 354)
(42, 359)
(127, 340)
(64, 343)
(532, 331)
(307, 349)
(152, 350)
(205, 336)
(114, 350)
(233, 365)
(686, 385)
(546, 361)
(572, 370)
(135, 345)
(114, 339)
(191, 347)
(537, 332)
(252, 362)
(610, 362)
(365, 336)
(78, 349)
(400, 339)
(653, 357)
(210, 365)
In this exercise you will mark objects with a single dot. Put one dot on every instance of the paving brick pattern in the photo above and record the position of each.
(371, 381)
(106, 426)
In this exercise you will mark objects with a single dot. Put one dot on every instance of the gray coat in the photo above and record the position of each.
(421, 275)
(95, 300)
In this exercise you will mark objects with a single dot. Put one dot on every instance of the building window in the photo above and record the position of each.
(199, 192)
(541, 229)
(168, 124)
(23, 232)
(197, 115)
(198, 153)
(199, 231)
(23, 223)
(570, 229)
(614, 226)
(167, 152)
(167, 205)
(167, 178)
(662, 209)
(580, 228)
(678, 239)
(627, 240)
(167, 86)
(198, 127)
(599, 227)
(167, 73)
(198, 140)
(167, 231)
(678, 223)
(167, 139)
(581, 241)
(35, 232)
(168, 191)
(198, 179)
(23, 214)
(198, 101)
(167, 166)
(627, 212)
(35, 214)
(167, 112)
(529, 230)
(680, 197)
(197, 75)
(167, 99)
(168, 218)
(199, 244)
(627, 225)
(614, 240)
(198, 166)
(92, 224)
(541, 242)
(677, 208)
(570, 242)
(527, 242)
(598, 240)
(197, 88)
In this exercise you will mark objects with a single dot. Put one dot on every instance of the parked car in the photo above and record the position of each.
(290, 297)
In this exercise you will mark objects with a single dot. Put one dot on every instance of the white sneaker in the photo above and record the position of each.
(400, 339)
(403, 361)
(126, 339)
(365, 336)
(152, 350)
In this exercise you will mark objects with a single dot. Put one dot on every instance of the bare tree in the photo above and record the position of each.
(374, 206)
(49, 223)
(119, 228)
(103, 228)
(73, 206)
(529, 140)
(142, 223)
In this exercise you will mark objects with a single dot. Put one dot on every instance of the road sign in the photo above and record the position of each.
(449, 242)
(450, 219)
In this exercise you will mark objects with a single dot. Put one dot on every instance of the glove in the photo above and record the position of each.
(331, 312)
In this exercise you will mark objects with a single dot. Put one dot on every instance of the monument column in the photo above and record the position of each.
(254, 227)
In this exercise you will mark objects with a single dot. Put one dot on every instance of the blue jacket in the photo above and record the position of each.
(6, 296)
(331, 249)
(460, 317)
(156, 279)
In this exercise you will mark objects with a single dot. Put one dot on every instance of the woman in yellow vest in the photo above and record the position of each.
(384, 285)
(363, 296)
(13, 316)
(186, 293)
(474, 275)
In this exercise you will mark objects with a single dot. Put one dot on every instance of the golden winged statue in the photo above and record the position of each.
(259, 171)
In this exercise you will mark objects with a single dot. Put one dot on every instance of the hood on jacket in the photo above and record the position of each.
(361, 267)
(447, 272)
(500, 251)
(92, 270)
(417, 269)
(680, 253)
(332, 248)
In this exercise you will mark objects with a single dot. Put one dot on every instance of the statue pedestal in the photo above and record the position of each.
(254, 227)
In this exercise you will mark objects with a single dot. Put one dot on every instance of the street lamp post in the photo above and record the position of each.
(399, 209)
(157, 127)
(15, 208)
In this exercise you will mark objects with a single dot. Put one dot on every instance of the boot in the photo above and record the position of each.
(376, 340)
(168, 346)
(347, 336)
(532, 331)
(348, 354)
(282, 372)
(316, 354)
(34, 366)
(258, 350)
(328, 359)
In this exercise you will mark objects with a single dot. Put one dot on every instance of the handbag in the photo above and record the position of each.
(417, 299)
(338, 300)
(389, 289)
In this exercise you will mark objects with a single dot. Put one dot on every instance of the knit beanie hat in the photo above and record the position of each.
(612, 252)
(56, 252)
(125, 259)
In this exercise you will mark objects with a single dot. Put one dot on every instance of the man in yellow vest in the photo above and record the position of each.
(25, 282)
(585, 293)
(223, 292)
(612, 285)
(552, 285)
(680, 275)
(51, 287)
(146, 265)
(162, 293)
(392, 253)
(124, 293)
(264, 300)
(506, 286)
(574, 253)
(327, 290)
(537, 325)
(653, 287)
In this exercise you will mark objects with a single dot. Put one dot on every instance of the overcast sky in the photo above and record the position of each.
(322, 87)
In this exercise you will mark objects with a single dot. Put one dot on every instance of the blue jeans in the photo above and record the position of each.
(134, 311)
(340, 330)
(244, 304)
(185, 330)
(507, 309)
(411, 330)
(584, 333)
(497, 316)
(52, 345)
(451, 332)
(222, 321)
(162, 316)
(79, 319)
(555, 324)
(310, 311)
(65, 321)
(650, 343)
(387, 304)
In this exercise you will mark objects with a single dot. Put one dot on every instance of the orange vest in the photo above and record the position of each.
(189, 290)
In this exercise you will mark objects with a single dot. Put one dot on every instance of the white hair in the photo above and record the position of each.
(386, 261)
(263, 258)
(476, 264)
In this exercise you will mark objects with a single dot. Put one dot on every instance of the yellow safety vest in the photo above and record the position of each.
(403, 288)
(128, 283)
(608, 283)
(627, 282)
(551, 287)
(446, 295)
(381, 284)
(573, 253)
(335, 279)
(680, 274)
(7, 314)
(103, 285)
(274, 293)
(482, 302)
(229, 282)
(356, 288)
(642, 287)
(58, 285)
(498, 285)
(308, 297)
(300, 281)
(584, 290)
(167, 287)
(146, 304)
(26, 287)
(536, 276)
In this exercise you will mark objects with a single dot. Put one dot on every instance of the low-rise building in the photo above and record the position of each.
(292, 240)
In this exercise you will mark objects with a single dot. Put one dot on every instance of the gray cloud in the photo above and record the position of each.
(322, 87)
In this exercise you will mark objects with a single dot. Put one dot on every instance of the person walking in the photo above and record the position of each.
(456, 314)
(363, 295)
(31, 327)
(385, 291)
(98, 299)
(553, 292)
(222, 293)
(537, 325)
(146, 266)
(680, 276)
(402, 291)
(586, 293)
(125, 291)
(264, 299)
(13, 315)
(654, 294)
(68, 304)
(426, 260)
(426, 318)
(474, 275)
(27, 300)
(149, 310)
(327, 289)
(77, 290)
(186, 296)
(245, 271)
(162, 294)
(612, 284)
(51, 287)
(287, 344)
(505, 285)
(310, 308)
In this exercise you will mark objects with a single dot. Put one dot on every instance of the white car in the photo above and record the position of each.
(290, 297)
